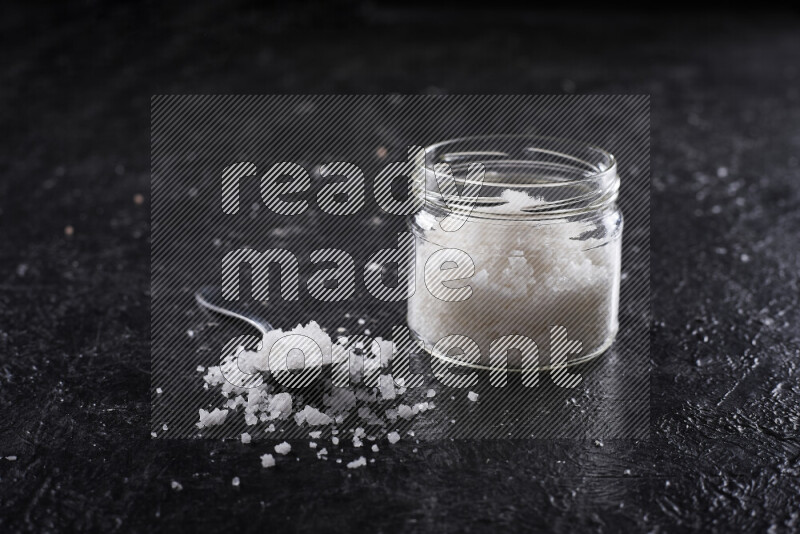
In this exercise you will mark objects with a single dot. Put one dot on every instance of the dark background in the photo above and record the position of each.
(724, 452)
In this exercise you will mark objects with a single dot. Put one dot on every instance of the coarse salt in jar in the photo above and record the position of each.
(517, 252)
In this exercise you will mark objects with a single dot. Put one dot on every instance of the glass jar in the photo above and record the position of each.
(531, 251)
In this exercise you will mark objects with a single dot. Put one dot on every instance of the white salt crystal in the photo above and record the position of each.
(215, 417)
(314, 417)
(338, 460)
(246, 438)
(164, 427)
(361, 321)
(472, 396)
(176, 485)
(267, 460)
(283, 448)
(360, 462)
(357, 442)
(201, 369)
(281, 404)
(431, 393)
(159, 391)
(316, 434)
(250, 419)
(270, 428)
(420, 407)
(375, 448)
(393, 437)
(386, 386)
(300, 418)
(235, 482)
(405, 411)
(312, 444)
(335, 440)
(11, 458)
(154, 435)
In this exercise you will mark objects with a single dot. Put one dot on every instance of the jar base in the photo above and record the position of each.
(593, 355)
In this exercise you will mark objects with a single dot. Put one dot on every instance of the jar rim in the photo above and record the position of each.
(544, 176)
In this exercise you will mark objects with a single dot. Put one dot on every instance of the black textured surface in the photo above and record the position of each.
(724, 453)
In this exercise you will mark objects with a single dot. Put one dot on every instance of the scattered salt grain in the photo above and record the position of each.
(360, 462)
(281, 405)
(159, 391)
(386, 386)
(375, 448)
(235, 482)
(431, 393)
(314, 417)
(215, 417)
(164, 427)
(201, 369)
(176, 485)
(11, 458)
(283, 448)
(267, 460)
(316, 434)
(312, 444)
(393, 437)
(472, 396)
(246, 438)
(153, 435)
(405, 411)
(361, 321)
(335, 440)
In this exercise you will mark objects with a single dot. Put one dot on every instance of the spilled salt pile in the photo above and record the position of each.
(359, 462)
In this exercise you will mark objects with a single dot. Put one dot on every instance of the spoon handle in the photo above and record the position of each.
(210, 298)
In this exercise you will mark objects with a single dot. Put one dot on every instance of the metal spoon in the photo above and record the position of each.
(210, 298)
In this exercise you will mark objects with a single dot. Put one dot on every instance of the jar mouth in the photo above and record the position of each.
(523, 175)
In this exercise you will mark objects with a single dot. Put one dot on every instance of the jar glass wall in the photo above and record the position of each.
(528, 250)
